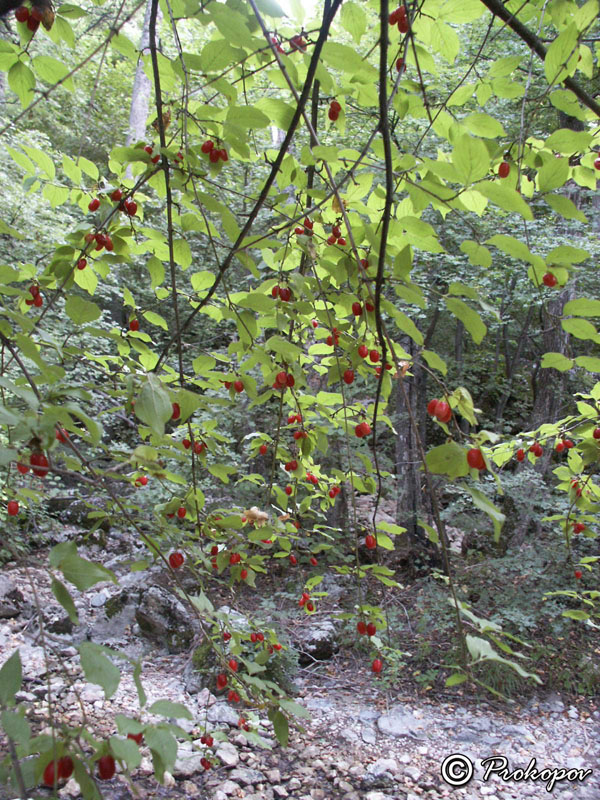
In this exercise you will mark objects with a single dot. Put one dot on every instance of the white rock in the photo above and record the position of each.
(228, 754)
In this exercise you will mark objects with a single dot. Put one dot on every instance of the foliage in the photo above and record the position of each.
(172, 306)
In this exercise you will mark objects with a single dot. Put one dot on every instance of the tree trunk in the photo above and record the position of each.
(140, 95)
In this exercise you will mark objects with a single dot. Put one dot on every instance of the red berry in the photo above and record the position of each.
(568, 444)
(106, 768)
(348, 376)
(335, 105)
(293, 560)
(49, 773)
(313, 561)
(329, 341)
(82, 263)
(155, 159)
(578, 573)
(310, 607)
(136, 737)
(94, 204)
(65, 767)
(373, 356)
(559, 447)
(263, 449)
(361, 627)
(475, 458)
(38, 300)
(443, 412)
(108, 243)
(393, 18)
(186, 443)
(308, 223)
(214, 550)
(363, 351)
(285, 294)
(431, 406)
(597, 163)
(134, 325)
(371, 629)
(205, 763)
(221, 680)
(12, 508)
(207, 146)
(253, 637)
(38, 460)
(181, 512)
(176, 411)
(399, 64)
(238, 386)
(370, 542)
(578, 527)
(275, 291)
(549, 280)
(199, 447)
(288, 490)
(314, 323)
(22, 14)
(223, 154)
(596, 433)
(357, 309)
(32, 23)
(116, 195)
(23, 468)
(214, 155)
(504, 169)
(226, 636)
(244, 574)
(148, 148)
(362, 429)
(331, 239)
(130, 207)
(299, 231)
(290, 380)
(233, 665)
(377, 666)
(520, 454)
(341, 241)
(369, 306)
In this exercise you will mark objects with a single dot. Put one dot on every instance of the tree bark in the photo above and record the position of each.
(140, 95)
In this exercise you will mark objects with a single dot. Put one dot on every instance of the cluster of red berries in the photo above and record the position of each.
(536, 449)
(334, 339)
(312, 479)
(300, 435)
(58, 770)
(277, 44)
(233, 696)
(207, 739)
(439, 409)
(307, 230)
(334, 110)
(362, 429)
(475, 459)
(31, 18)
(334, 491)
(291, 466)
(102, 240)
(199, 447)
(214, 153)
(364, 629)
(400, 17)
(154, 159)
(36, 298)
(298, 42)
(578, 527)
(373, 355)
(128, 206)
(284, 379)
(305, 602)
(564, 444)
(235, 558)
(282, 292)
(142, 480)
(336, 236)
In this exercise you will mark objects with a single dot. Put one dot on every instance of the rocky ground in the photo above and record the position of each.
(361, 742)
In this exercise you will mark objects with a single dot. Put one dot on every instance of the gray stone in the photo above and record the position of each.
(368, 734)
(98, 599)
(273, 775)
(221, 712)
(413, 773)
(246, 775)
(11, 599)
(400, 723)
(229, 787)
(280, 791)
(317, 642)
(187, 763)
(228, 754)
(165, 620)
(382, 765)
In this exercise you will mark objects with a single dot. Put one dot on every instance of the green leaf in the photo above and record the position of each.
(483, 125)
(280, 725)
(98, 668)
(456, 678)
(553, 174)
(81, 311)
(470, 318)
(484, 504)
(43, 161)
(431, 532)
(156, 319)
(471, 159)
(479, 255)
(51, 70)
(83, 573)
(153, 405)
(11, 678)
(565, 207)
(165, 708)
(60, 591)
(582, 307)
(247, 117)
(294, 708)
(163, 745)
(125, 750)
(569, 142)
(563, 50)
(435, 361)
(354, 20)
(565, 254)
(22, 82)
(215, 57)
(576, 613)
(447, 459)
(182, 253)
(557, 361)
(579, 328)
(505, 197)
(16, 726)
(590, 363)
(481, 650)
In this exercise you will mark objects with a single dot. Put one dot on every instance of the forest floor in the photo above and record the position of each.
(366, 739)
